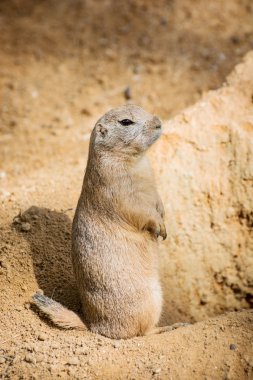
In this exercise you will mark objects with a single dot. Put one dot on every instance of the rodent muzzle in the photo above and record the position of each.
(157, 122)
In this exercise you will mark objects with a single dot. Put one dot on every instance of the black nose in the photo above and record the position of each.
(157, 122)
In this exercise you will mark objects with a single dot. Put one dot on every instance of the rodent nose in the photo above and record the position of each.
(157, 122)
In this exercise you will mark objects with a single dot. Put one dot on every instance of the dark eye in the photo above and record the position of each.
(126, 122)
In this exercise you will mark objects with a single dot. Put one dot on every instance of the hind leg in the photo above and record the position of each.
(160, 330)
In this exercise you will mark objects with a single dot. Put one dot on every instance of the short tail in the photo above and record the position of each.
(58, 314)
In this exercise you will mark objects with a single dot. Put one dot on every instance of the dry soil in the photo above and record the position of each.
(62, 64)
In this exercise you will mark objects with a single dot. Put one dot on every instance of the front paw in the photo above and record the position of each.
(163, 232)
(153, 228)
(156, 230)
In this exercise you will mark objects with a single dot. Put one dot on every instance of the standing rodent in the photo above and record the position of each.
(118, 220)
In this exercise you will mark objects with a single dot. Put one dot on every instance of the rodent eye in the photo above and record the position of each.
(126, 122)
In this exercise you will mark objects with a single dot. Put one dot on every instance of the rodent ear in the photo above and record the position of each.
(102, 130)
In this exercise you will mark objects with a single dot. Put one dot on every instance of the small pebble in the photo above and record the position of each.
(30, 359)
(25, 227)
(233, 346)
(156, 371)
(42, 337)
(3, 264)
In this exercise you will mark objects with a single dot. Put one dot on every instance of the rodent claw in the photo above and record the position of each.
(163, 232)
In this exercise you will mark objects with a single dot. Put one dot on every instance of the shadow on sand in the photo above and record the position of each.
(50, 242)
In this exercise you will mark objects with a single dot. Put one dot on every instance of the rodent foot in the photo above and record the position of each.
(163, 232)
(155, 229)
(160, 330)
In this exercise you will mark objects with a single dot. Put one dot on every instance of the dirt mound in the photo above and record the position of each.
(62, 65)
(204, 166)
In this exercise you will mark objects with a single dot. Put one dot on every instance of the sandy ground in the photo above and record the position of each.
(62, 64)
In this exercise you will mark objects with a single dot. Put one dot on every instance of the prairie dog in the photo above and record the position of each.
(118, 220)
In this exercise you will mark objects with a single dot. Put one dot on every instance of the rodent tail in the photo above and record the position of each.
(58, 314)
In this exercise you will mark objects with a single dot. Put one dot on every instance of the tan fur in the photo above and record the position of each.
(118, 220)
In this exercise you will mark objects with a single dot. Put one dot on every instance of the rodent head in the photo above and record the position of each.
(127, 129)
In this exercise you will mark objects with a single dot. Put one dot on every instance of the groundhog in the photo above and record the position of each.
(117, 223)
